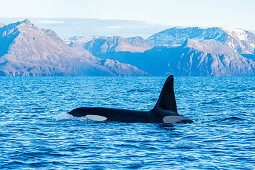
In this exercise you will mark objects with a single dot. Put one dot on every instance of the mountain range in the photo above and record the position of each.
(187, 51)
(28, 50)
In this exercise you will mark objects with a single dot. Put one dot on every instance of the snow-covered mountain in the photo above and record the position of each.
(27, 50)
(239, 40)
(219, 58)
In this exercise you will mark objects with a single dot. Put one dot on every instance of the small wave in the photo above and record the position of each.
(63, 116)
(232, 118)
(66, 116)
(137, 90)
(135, 166)
(132, 90)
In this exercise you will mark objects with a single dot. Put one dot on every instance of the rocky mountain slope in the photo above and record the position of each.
(195, 51)
(102, 45)
(27, 50)
(193, 58)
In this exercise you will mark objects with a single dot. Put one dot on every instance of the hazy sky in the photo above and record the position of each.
(230, 13)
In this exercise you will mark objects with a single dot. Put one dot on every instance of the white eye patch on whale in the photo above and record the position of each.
(175, 119)
(96, 118)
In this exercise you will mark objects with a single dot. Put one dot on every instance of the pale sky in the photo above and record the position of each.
(207, 13)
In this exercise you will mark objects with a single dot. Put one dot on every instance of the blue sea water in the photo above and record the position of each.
(37, 132)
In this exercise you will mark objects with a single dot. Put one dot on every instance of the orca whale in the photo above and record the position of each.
(165, 110)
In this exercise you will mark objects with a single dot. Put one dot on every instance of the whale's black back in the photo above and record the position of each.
(163, 110)
(166, 99)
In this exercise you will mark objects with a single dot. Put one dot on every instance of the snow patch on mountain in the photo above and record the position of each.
(177, 35)
(80, 39)
(236, 33)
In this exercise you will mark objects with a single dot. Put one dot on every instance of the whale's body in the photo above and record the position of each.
(165, 110)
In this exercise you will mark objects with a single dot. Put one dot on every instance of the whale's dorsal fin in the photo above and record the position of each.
(166, 99)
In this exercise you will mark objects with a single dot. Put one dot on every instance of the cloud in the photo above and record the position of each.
(51, 22)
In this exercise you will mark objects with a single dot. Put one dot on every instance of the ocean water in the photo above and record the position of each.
(37, 132)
